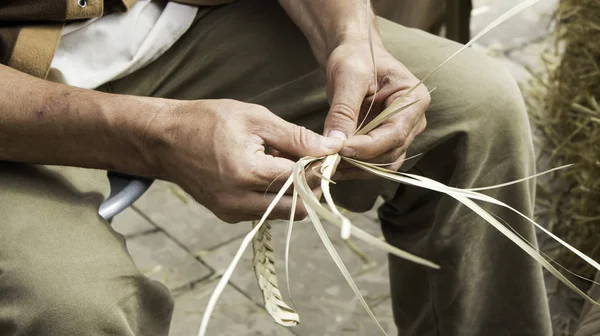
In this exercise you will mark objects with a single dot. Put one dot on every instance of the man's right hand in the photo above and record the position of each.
(216, 150)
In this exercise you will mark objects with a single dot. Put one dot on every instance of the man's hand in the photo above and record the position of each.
(216, 150)
(338, 33)
(350, 88)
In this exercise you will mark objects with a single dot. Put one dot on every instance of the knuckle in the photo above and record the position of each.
(401, 137)
(300, 137)
(254, 112)
(342, 111)
(249, 171)
(246, 175)
(359, 68)
(388, 79)
(240, 176)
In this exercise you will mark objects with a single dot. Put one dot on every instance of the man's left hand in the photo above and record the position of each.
(350, 90)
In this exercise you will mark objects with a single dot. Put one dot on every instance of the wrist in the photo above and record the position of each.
(350, 36)
(329, 24)
(140, 128)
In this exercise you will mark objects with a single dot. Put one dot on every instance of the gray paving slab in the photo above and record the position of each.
(130, 223)
(190, 223)
(530, 55)
(530, 25)
(355, 327)
(159, 257)
(235, 315)
(320, 293)
(516, 70)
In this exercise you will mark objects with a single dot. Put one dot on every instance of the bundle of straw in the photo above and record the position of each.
(564, 104)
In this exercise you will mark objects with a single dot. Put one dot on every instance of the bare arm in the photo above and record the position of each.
(48, 123)
(214, 149)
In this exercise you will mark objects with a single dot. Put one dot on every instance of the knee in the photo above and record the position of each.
(474, 85)
(129, 305)
(484, 102)
(490, 91)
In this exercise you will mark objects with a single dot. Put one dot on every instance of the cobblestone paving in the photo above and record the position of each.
(180, 243)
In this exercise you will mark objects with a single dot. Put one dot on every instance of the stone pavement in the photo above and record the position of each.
(178, 242)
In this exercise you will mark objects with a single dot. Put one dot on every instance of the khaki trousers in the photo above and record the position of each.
(64, 271)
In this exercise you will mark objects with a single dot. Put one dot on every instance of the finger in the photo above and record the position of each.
(292, 139)
(393, 133)
(399, 154)
(348, 89)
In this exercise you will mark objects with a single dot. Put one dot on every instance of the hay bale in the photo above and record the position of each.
(564, 104)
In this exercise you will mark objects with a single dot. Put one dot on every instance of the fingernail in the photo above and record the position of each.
(348, 152)
(332, 143)
(336, 134)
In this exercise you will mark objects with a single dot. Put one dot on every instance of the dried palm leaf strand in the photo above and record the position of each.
(331, 249)
(465, 196)
(264, 269)
(288, 243)
(238, 255)
(310, 201)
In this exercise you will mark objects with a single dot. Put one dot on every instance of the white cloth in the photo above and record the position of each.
(96, 51)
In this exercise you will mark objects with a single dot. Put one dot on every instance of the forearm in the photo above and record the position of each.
(327, 24)
(48, 123)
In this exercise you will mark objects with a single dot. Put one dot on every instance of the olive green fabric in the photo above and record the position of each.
(426, 15)
(56, 252)
(63, 270)
(430, 15)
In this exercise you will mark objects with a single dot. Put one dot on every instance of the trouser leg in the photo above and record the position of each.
(478, 134)
(427, 15)
(63, 270)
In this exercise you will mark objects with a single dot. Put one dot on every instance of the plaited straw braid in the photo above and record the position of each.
(264, 269)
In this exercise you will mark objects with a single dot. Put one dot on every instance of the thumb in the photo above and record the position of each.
(297, 140)
(348, 95)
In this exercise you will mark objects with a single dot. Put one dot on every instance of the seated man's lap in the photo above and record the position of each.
(63, 270)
